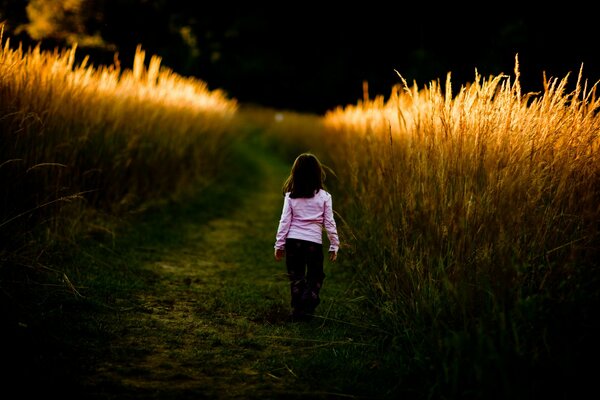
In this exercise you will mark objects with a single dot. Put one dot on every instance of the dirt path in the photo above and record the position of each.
(219, 314)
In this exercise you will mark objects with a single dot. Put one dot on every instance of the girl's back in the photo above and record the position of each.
(309, 209)
(305, 217)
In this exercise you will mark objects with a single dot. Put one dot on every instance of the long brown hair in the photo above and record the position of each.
(306, 177)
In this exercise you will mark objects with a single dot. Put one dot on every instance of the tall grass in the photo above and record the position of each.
(476, 217)
(77, 137)
(470, 221)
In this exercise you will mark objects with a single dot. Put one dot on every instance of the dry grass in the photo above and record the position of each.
(469, 220)
(113, 137)
(468, 202)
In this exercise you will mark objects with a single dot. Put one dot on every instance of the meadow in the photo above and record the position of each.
(78, 138)
(471, 219)
(468, 216)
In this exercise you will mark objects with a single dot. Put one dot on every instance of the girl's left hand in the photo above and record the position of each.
(332, 256)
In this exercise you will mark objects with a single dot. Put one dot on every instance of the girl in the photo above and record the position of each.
(307, 209)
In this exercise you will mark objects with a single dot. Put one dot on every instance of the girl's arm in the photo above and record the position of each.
(330, 226)
(284, 224)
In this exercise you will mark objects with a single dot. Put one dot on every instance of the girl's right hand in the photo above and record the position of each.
(279, 254)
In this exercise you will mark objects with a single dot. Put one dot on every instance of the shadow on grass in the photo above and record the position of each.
(60, 310)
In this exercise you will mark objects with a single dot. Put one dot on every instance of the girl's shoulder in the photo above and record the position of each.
(324, 194)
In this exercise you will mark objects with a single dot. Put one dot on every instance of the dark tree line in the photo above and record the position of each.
(314, 57)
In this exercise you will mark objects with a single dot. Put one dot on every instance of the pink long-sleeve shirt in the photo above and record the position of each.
(305, 218)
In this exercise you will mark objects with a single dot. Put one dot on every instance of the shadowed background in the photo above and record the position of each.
(309, 57)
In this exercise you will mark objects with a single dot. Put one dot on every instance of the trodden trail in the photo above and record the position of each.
(214, 324)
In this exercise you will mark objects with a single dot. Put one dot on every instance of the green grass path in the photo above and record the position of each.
(207, 315)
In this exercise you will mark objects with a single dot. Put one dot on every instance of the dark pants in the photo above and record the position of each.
(304, 262)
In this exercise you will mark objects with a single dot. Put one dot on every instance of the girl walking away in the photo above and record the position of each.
(307, 213)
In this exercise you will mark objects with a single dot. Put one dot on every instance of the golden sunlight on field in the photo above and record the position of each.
(121, 136)
(153, 83)
(483, 186)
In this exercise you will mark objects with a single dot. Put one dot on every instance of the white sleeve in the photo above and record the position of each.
(284, 224)
(330, 225)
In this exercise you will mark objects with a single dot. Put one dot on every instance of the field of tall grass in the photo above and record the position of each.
(78, 138)
(471, 218)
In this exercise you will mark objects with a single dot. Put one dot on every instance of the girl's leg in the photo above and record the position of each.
(314, 276)
(295, 261)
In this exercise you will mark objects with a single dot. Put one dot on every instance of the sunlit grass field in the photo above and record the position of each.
(77, 138)
(475, 224)
(484, 197)
(469, 216)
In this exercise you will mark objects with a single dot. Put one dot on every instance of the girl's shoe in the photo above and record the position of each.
(298, 316)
